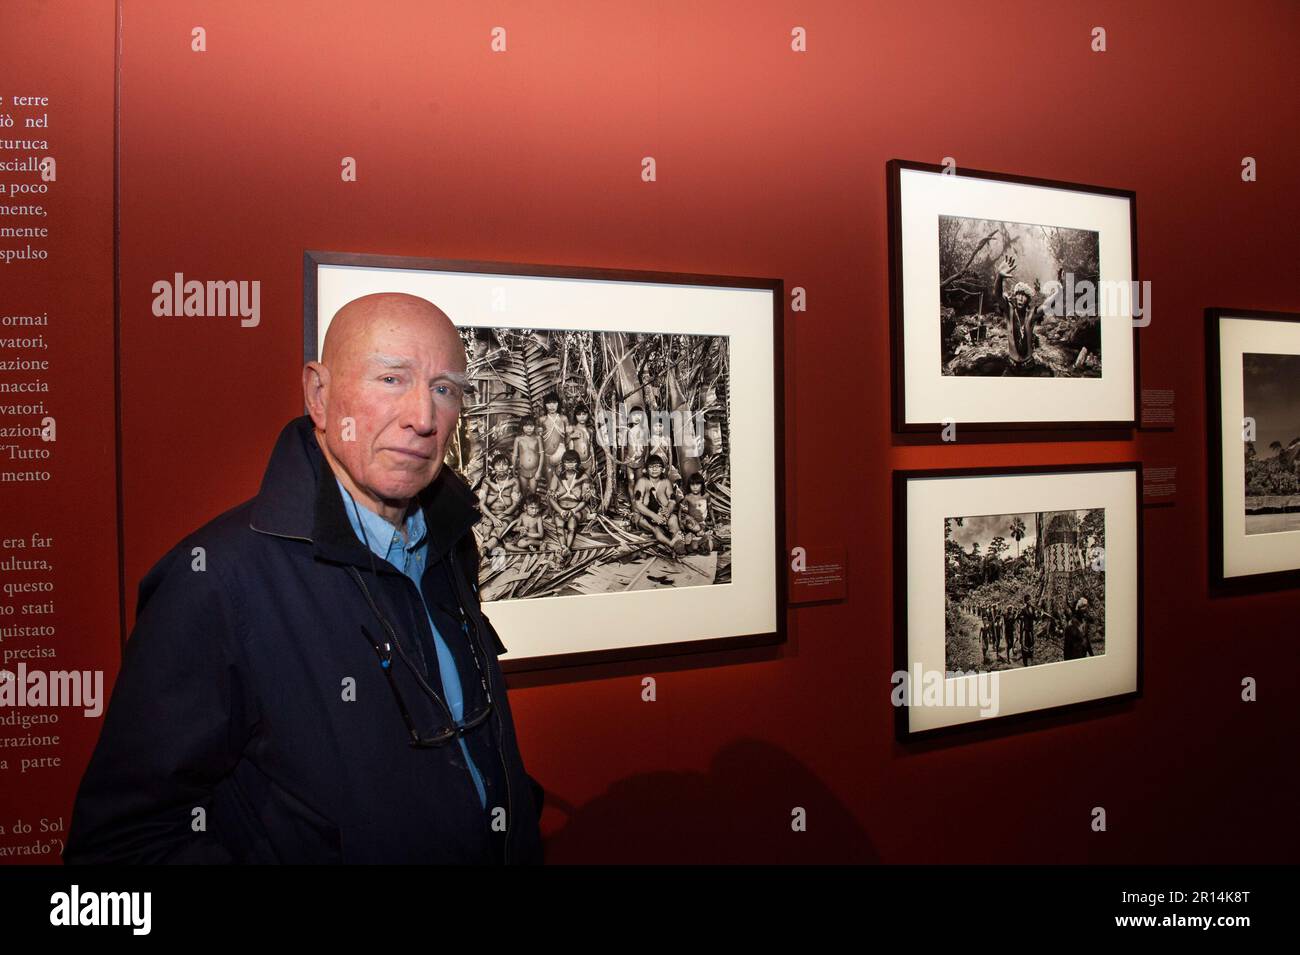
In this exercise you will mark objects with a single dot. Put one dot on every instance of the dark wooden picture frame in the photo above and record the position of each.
(313, 260)
(1218, 583)
(1039, 717)
(894, 169)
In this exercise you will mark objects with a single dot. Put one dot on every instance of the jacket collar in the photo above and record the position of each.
(300, 500)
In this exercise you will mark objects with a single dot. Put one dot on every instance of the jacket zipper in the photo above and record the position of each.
(496, 712)
(496, 709)
(356, 575)
(455, 574)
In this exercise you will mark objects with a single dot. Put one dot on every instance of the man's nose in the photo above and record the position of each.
(418, 411)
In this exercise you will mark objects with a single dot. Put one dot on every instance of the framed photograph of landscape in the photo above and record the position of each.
(1252, 363)
(1018, 591)
(1015, 302)
(623, 434)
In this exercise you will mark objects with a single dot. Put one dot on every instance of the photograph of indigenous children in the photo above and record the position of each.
(1018, 300)
(1271, 407)
(600, 460)
(1024, 589)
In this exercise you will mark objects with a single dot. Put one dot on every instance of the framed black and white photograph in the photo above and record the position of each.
(1018, 591)
(1015, 301)
(1253, 392)
(623, 437)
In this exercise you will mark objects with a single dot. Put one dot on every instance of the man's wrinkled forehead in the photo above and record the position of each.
(393, 323)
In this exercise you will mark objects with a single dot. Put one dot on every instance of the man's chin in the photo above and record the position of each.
(408, 484)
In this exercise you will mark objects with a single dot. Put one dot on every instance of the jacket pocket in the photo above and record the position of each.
(300, 833)
(277, 826)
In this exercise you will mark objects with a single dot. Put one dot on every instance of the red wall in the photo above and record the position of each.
(62, 51)
(770, 163)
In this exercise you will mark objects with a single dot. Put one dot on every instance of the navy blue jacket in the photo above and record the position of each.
(230, 736)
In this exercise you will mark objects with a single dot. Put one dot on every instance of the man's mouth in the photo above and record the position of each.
(407, 452)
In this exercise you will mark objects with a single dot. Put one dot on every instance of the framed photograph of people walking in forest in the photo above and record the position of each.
(1015, 301)
(622, 432)
(1253, 393)
(1017, 591)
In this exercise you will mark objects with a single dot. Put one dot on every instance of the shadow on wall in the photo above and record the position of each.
(740, 811)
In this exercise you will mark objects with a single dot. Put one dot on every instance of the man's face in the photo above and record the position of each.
(1021, 299)
(392, 381)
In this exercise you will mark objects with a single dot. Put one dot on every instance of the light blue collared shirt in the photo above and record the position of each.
(386, 542)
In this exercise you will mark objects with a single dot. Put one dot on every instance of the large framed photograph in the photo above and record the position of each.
(1253, 393)
(1015, 302)
(624, 440)
(1017, 591)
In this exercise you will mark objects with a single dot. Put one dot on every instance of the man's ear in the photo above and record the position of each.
(315, 391)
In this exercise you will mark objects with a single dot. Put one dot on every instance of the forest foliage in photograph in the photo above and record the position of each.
(1014, 299)
(1024, 589)
(600, 460)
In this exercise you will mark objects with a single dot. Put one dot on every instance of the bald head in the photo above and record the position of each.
(354, 323)
(385, 397)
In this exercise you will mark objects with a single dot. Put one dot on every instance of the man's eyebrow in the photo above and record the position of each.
(395, 362)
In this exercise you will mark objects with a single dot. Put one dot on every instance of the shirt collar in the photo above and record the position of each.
(381, 535)
(298, 502)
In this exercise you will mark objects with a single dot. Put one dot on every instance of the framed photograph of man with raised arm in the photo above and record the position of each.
(1014, 301)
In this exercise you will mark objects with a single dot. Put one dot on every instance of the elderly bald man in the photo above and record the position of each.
(311, 678)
